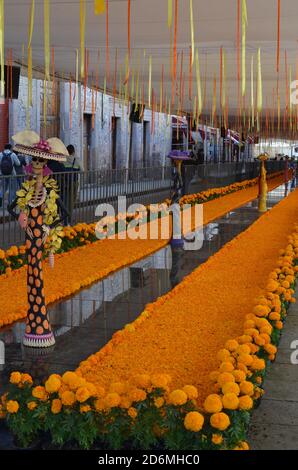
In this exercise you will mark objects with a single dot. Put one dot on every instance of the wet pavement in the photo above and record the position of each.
(84, 323)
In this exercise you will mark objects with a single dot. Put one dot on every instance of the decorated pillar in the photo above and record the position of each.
(263, 188)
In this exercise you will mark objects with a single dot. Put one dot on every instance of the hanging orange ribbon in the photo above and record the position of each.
(175, 41)
(99, 7)
(278, 37)
(244, 25)
(128, 26)
(170, 13)
(107, 43)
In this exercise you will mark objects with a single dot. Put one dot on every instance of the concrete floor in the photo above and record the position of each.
(274, 424)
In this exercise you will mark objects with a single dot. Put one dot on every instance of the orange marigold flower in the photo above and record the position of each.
(31, 405)
(247, 388)
(85, 408)
(220, 421)
(230, 401)
(82, 394)
(213, 404)
(112, 400)
(245, 402)
(191, 392)
(53, 383)
(68, 398)
(231, 387)
(194, 421)
(225, 377)
(178, 398)
(15, 378)
(56, 406)
(217, 439)
(12, 406)
(40, 393)
(132, 412)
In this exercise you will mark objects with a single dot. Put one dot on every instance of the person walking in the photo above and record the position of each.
(8, 163)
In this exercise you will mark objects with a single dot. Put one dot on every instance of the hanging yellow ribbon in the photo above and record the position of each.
(252, 104)
(170, 13)
(150, 81)
(214, 101)
(260, 85)
(82, 35)
(199, 87)
(223, 97)
(30, 34)
(290, 101)
(244, 25)
(99, 7)
(47, 39)
(2, 58)
(192, 32)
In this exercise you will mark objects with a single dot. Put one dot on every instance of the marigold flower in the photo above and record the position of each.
(53, 383)
(56, 406)
(245, 359)
(68, 398)
(137, 394)
(214, 376)
(160, 380)
(132, 412)
(191, 392)
(225, 377)
(261, 310)
(178, 398)
(247, 388)
(217, 439)
(31, 405)
(142, 380)
(40, 393)
(15, 378)
(226, 367)
(12, 406)
(231, 345)
(220, 421)
(159, 402)
(85, 408)
(82, 394)
(118, 387)
(112, 400)
(239, 375)
(194, 421)
(223, 355)
(231, 387)
(230, 401)
(258, 364)
(245, 403)
(26, 379)
(213, 404)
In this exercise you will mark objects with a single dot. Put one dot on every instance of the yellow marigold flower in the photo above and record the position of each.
(243, 349)
(226, 367)
(217, 439)
(194, 421)
(12, 406)
(243, 445)
(15, 378)
(223, 355)
(53, 383)
(225, 377)
(85, 408)
(112, 400)
(231, 387)
(159, 402)
(132, 412)
(178, 398)
(239, 375)
(230, 401)
(137, 394)
(270, 348)
(118, 387)
(73, 380)
(261, 310)
(68, 398)
(56, 406)
(40, 393)
(245, 403)
(220, 421)
(191, 392)
(279, 325)
(213, 404)
(82, 394)
(142, 380)
(245, 359)
(125, 402)
(100, 391)
(231, 345)
(26, 379)
(258, 364)
(31, 405)
(160, 380)
(93, 391)
(247, 388)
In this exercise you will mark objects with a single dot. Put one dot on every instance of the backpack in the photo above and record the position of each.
(6, 164)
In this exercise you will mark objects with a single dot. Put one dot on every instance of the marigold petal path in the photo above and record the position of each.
(185, 329)
(85, 265)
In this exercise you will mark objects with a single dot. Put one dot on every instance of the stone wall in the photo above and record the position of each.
(100, 136)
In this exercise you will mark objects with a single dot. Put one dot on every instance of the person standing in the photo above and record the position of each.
(72, 169)
(8, 163)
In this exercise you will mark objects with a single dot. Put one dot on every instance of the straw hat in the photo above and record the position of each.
(29, 143)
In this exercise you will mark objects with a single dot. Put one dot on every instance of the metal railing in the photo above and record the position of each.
(82, 192)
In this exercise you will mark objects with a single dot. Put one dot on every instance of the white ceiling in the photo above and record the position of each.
(215, 26)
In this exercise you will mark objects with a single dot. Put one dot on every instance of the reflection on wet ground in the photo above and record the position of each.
(85, 322)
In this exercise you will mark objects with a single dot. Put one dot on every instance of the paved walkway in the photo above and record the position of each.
(274, 424)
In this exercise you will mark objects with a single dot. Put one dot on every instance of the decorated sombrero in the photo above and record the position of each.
(179, 155)
(29, 143)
